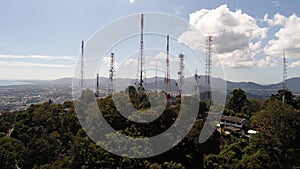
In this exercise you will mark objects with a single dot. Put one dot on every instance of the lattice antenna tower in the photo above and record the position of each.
(181, 72)
(167, 78)
(111, 73)
(208, 66)
(97, 85)
(197, 79)
(284, 78)
(141, 61)
(82, 75)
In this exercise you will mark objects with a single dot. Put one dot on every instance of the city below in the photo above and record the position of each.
(19, 95)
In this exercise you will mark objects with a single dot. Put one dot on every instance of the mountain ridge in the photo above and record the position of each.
(252, 89)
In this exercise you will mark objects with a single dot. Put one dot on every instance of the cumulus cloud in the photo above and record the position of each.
(130, 62)
(287, 39)
(162, 56)
(236, 36)
(295, 64)
(278, 19)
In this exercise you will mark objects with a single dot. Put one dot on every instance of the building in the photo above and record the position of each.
(235, 122)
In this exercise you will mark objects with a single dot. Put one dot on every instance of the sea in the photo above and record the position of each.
(12, 83)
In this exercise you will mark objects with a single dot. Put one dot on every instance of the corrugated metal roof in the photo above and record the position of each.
(233, 119)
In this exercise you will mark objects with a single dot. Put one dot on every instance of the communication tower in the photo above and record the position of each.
(111, 73)
(97, 85)
(284, 78)
(180, 72)
(208, 66)
(141, 61)
(167, 78)
(82, 75)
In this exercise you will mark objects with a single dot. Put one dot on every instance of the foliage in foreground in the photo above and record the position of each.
(50, 136)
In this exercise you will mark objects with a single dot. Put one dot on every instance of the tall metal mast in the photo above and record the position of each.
(82, 76)
(284, 78)
(181, 72)
(141, 59)
(97, 85)
(208, 66)
(167, 78)
(111, 73)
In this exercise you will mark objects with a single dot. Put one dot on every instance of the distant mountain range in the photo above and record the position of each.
(253, 90)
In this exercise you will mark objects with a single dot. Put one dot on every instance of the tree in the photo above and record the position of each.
(12, 152)
(298, 102)
(237, 101)
(289, 98)
(229, 156)
(251, 107)
(7, 120)
(202, 109)
(279, 133)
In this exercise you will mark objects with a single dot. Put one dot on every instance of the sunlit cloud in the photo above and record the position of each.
(236, 36)
(295, 64)
(286, 38)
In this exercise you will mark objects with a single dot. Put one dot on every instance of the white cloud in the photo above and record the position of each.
(160, 56)
(295, 64)
(130, 62)
(267, 62)
(31, 64)
(42, 57)
(106, 60)
(278, 19)
(236, 36)
(275, 3)
(131, 1)
(287, 39)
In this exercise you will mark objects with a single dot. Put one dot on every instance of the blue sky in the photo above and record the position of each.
(41, 39)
